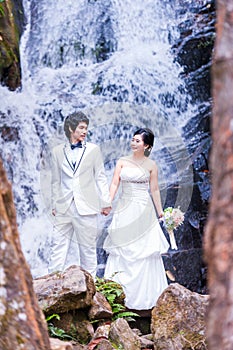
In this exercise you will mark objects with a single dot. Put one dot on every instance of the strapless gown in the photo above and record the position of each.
(135, 243)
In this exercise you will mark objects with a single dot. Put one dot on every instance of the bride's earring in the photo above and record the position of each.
(147, 151)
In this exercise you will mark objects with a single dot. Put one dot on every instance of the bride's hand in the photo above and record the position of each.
(161, 218)
(106, 211)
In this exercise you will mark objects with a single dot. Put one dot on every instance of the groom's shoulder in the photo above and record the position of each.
(58, 148)
(91, 145)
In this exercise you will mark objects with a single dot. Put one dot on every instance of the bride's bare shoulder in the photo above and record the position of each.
(152, 164)
(124, 160)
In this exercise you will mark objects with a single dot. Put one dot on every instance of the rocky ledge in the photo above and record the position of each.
(84, 319)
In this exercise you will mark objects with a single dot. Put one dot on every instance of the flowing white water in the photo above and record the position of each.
(134, 83)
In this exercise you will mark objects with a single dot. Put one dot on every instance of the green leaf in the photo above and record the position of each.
(48, 318)
(111, 290)
(128, 314)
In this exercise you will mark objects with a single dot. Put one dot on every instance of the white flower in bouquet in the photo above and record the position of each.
(173, 217)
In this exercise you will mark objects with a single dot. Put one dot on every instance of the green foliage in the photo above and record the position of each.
(193, 340)
(115, 296)
(2, 12)
(56, 332)
(205, 43)
(117, 347)
(96, 88)
(48, 318)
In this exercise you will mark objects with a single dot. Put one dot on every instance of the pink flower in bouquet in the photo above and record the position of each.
(178, 217)
(173, 217)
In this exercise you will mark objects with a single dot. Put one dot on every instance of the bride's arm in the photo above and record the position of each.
(155, 192)
(116, 179)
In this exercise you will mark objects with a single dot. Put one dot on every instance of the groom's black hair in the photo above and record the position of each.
(72, 121)
(147, 136)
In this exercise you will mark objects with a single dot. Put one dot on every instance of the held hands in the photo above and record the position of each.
(161, 218)
(106, 211)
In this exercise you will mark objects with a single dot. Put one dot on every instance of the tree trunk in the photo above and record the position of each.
(22, 324)
(219, 229)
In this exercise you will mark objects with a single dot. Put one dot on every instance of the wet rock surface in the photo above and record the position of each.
(176, 322)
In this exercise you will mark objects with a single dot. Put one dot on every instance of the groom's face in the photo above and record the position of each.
(79, 133)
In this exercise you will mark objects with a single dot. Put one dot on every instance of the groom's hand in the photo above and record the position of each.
(106, 211)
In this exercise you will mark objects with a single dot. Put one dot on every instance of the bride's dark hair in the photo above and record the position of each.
(148, 138)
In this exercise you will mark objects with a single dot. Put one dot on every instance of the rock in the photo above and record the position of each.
(22, 324)
(104, 344)
(76, 325)
(84, 331)
(122, 336)
(10, 71)
(9, 133)
(64, 322)
(102, 331)
(64, 291)
(100, 339)
(57, 344)
(184, 266)
(100, 308)
(101, 344)
(194, 50)
(146, 343)
(178, 319)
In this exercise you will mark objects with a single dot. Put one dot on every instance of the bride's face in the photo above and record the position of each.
(137, 144)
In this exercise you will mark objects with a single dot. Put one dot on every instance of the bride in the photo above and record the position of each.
(135, 240)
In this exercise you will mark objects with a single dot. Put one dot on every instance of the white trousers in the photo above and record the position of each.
(83, 231)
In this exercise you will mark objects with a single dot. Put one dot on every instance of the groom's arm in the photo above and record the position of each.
(101, 182)
(55, 181)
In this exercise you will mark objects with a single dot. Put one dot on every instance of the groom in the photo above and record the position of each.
(79, 192)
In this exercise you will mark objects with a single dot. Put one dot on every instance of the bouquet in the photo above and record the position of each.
(173, 217)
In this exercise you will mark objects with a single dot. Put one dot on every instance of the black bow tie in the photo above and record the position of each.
(78, 145)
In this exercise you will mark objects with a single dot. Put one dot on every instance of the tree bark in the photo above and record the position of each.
(219, 229)
(22, 324)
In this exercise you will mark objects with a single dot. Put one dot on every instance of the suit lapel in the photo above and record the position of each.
(83, 151)
(67, 158)
(74, 169)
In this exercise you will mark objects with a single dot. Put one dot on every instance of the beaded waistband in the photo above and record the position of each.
(135, 182)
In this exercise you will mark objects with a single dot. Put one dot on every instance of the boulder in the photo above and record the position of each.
(178, 319)
(122, 335)
(57, 344)
(146, 342)
(100, 344)
(65, 291)
(100, 308)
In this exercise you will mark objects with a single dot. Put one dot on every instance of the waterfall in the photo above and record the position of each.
(113, 59)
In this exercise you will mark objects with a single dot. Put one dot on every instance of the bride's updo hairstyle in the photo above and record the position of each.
(148, 138)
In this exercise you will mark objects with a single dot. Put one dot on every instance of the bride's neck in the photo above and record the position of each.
(137, 157)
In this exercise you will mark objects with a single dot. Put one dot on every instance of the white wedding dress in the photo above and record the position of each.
(135, 243)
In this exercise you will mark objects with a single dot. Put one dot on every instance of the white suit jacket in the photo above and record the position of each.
(86, 183)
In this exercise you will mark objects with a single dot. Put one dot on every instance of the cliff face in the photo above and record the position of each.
(11, 27)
